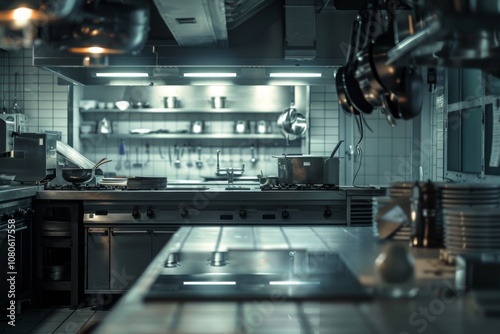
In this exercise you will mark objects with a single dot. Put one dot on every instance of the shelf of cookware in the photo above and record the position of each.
(181, 111)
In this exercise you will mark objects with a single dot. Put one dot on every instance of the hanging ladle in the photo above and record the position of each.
(15, 107)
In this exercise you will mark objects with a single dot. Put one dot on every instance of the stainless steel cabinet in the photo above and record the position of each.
(130, 253)
(117, 256)
(97, 259)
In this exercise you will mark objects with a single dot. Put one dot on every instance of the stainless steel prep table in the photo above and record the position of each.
(12, 193)
(429, 312)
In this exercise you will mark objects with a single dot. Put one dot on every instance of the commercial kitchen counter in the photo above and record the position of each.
(11, 193)
(184, 193)
(438, 308)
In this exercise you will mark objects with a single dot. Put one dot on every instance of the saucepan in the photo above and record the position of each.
(82, 175)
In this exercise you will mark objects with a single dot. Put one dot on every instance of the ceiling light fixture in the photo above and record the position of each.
(294, 75)
(122, 75)
(209, 283)
(210, 75)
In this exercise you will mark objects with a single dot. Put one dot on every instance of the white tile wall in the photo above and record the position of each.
(386, 150)
(324, 119)
(44, 102)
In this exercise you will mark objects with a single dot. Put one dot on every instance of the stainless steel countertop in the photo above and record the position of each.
(12, 193)
(428, 312)
(172, 193)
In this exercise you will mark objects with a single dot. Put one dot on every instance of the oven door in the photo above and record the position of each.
(23, 260)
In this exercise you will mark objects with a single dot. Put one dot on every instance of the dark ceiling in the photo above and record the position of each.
(253, 45)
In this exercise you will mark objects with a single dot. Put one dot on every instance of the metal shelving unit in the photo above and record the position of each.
(249, 136)
(181, 111)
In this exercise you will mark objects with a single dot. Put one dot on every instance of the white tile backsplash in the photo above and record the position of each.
(41, 99)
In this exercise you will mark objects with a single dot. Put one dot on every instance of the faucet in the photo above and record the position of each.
(229, 171)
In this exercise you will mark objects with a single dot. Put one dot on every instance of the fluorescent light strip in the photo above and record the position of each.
(294, 75)
(210, 75)
(122, 75)
(209, 283)
(293, 283)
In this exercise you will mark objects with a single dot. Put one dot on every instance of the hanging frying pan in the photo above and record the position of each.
(410, 101)
(350, 97)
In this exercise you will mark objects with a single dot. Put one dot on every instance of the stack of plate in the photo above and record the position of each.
(473, 195)
(378, 203)
(472, 231)
(146, 183)
(390, 219)
(114, 181)
(401, 189)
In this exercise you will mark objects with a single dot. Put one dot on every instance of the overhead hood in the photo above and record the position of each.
(251, 38)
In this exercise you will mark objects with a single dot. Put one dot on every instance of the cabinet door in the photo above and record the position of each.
(130, 254)
(97, 259)
(160, 238)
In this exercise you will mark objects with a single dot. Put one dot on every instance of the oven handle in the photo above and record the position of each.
(163, 232)
(130, 232)
(97, 231)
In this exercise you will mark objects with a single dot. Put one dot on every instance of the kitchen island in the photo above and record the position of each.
(438, 307)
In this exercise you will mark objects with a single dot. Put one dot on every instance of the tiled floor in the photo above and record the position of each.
(54, 320)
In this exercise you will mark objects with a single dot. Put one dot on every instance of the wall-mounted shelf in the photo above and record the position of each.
(182, 111)
(250, 136)
(207, 139)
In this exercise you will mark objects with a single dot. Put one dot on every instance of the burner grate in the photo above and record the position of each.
(300, 187)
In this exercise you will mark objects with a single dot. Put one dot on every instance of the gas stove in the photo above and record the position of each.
(84, 187)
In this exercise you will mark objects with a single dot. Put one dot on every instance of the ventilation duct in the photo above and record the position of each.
(195, 22)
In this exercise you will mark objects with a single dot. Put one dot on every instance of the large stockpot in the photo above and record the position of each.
(308, 169)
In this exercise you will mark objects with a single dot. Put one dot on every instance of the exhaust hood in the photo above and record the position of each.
(251, 38)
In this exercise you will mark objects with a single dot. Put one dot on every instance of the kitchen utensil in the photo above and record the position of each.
(103, 126)
(199, 162)
(241, 127)
(261, 127)
(122, 105)
(292, 122)
(82, 175)
(170, 102)
(177, 162)
(15, 107)
(147, 154)
(4, 109)
(218, 102)
(160, 152)
(121, 153)
(197, 127)
(170, 155)
(140, 131)
(126, 164)
(87, 104)
(190, 162)
(87, 128)
(253, 159)
(137, 164)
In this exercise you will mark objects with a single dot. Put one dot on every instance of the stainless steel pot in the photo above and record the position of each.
(309, 169)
